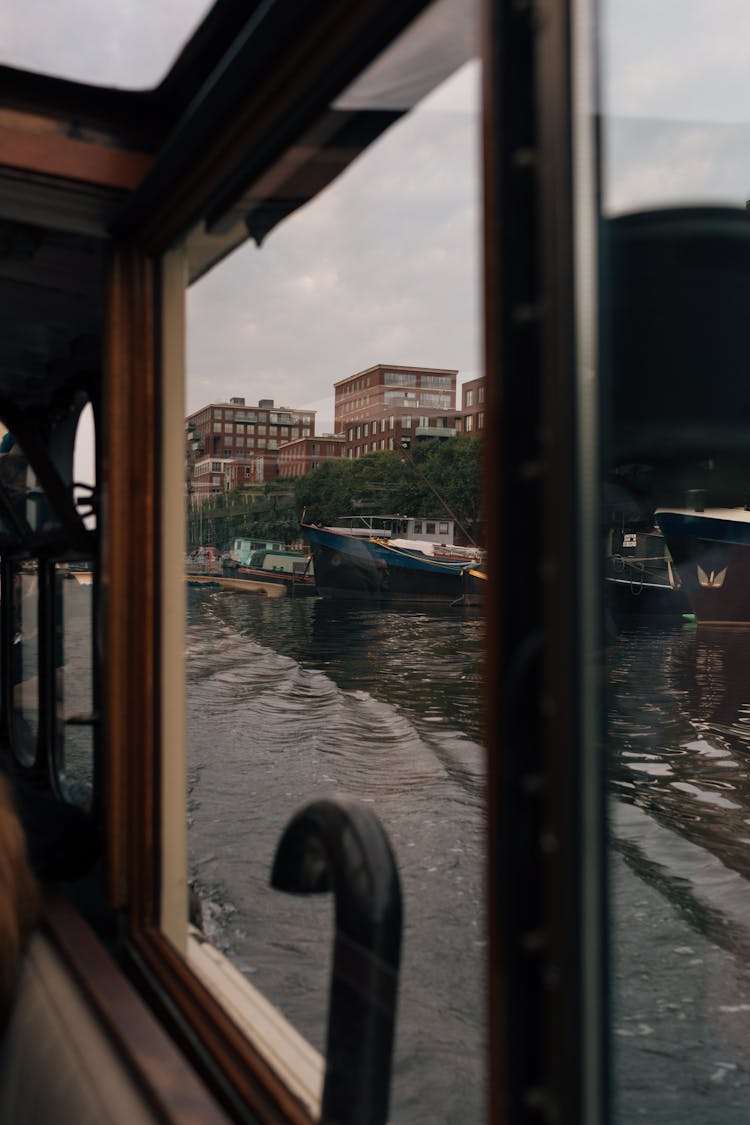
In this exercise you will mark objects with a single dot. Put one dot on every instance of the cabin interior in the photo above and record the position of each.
(112, 201)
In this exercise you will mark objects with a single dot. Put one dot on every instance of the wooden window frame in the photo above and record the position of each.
(546, 908)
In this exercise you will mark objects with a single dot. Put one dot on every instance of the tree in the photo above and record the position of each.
(436, 478)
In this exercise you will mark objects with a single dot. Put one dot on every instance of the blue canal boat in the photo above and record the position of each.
(370, 562)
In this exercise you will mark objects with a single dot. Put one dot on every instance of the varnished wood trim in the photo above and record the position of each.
(159, 1070)
(56, 155)
(237, 1074)
(128, 584)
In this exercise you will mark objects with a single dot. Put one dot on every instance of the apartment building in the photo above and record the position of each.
(298, 458)
(472, 420)
(234, 429)
(232, 437)
(388, 389)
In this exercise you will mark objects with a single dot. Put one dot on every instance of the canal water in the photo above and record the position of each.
(294, 700)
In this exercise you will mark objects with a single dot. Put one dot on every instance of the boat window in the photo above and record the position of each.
(22, 491)
(84, 467)
(292, 696)
(674, 290)
(74, 694)
(25, 677)
(126, 45)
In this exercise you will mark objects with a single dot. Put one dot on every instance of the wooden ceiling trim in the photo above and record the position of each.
(40, 145)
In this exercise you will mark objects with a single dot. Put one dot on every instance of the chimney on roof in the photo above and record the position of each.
(237, 401)
(266, 404)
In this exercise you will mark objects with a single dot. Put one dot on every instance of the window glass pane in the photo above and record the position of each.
(674, 292)
(74, 760)
(25, 717)
(128, 45)
(84, 467)
(21, 487)
(293, 697)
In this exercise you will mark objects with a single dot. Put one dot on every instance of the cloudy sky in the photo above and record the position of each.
(676, 101)
(382, 267)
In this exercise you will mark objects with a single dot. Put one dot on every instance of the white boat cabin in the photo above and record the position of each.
(429, 530)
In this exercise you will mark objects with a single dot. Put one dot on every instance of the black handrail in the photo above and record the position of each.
(340, 845)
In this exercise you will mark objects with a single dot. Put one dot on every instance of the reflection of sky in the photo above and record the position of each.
(676, 98)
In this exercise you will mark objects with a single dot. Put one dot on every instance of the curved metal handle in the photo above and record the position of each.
(340, 845)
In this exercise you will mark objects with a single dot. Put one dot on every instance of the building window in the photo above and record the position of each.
(217, 427)
(366, 429)
(227, 452)
(400, 379)
(480, 420)
(406, 423)
(469, 424)
(480, 394)
(432, 398)
(390, 443)
(439, 381)
(469, 398)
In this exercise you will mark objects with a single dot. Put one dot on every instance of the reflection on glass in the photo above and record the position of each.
(25, 719)
(21, 487)
(295, 699)
(74, 759)
(84, 467)
(676, 137)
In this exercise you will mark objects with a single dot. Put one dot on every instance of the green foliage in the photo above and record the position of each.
(379, 484)
(254, 512)
(399, 484)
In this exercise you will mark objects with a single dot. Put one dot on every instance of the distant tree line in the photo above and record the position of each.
(435, 479)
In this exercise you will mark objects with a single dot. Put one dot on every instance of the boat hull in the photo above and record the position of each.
(627, 597)
(711, 554)
(294, 585)
(349, 568)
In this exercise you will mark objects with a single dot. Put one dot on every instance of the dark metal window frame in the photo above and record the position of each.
(208, 140)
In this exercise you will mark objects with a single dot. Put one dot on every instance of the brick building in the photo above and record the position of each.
(387, 389)
(375, 408)
(472, 407)
(233, 442)
(299, 457)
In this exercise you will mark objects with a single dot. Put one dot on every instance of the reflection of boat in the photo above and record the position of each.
(256, 566)
(371, 563)
(639, 578)
(273, 567)
(711, 554)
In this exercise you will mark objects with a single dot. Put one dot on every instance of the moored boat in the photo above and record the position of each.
(710, 551)
(639, 578)
(371, 563)
(274, 567)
